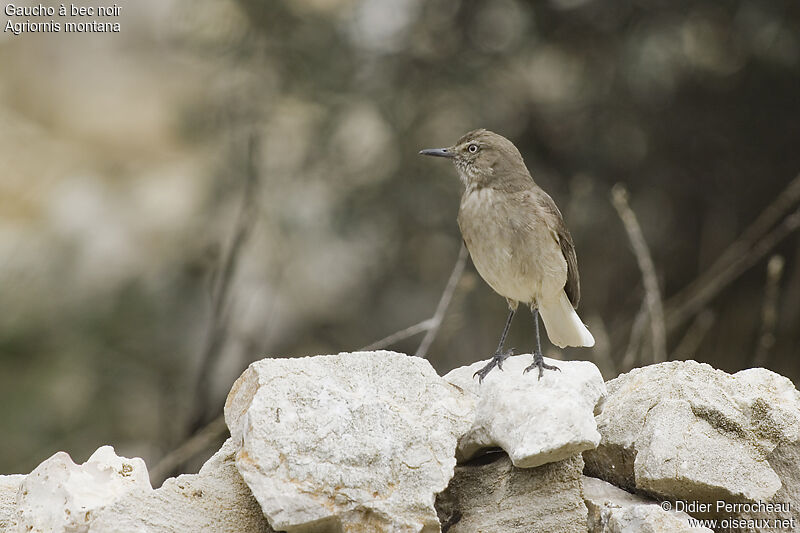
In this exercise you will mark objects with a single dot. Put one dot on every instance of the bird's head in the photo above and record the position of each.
(483, 159)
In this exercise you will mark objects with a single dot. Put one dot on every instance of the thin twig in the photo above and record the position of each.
(697, 331)
(398, 336)
(602, 349)
(205, 438)
(685, 299)
(429, 325)
(655, 310)
(220, 299)
(781, 205)
(635, 342)
(769, 311)
(444, 303)
(677, 311)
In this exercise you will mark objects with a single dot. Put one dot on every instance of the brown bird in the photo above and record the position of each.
(518, 241)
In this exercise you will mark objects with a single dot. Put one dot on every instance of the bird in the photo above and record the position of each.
(518, 242)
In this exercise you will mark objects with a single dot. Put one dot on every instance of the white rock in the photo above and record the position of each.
(497, 497)
(682, 430)
(784, 460)
(215, 500)
(536, 421)
(9, 485)
(357, 441)
(613, 510)
(60, 496)
(666, 464)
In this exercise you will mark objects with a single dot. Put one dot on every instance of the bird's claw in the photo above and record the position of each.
(496, 361)
(502, 356)
(538, 362)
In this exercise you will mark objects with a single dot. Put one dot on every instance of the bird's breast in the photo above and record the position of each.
(510, 244)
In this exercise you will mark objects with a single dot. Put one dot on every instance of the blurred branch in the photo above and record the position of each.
(204, 439)
(769, 311)
(690, 343)
(430, 325)
(398, 336)
(686, 304)
(768, 218)
(746, 250)
(444, 303)
(655, 310)
(635, 341)
(602, 349)
(220, 292)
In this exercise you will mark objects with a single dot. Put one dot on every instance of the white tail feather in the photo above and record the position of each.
(564, 326)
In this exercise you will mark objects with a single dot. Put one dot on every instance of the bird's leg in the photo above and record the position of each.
(538, 360)
(499, 355)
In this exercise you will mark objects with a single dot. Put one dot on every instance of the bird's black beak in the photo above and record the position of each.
(438, 152)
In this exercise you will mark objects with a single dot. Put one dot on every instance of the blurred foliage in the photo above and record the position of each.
(126, 157)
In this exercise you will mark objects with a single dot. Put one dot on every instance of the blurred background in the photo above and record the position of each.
(226, 180)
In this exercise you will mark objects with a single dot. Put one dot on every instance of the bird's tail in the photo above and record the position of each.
(563, 325)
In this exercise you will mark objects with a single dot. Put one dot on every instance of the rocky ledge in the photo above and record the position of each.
(378, 442)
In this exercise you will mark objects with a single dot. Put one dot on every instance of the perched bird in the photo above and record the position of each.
(518, 241)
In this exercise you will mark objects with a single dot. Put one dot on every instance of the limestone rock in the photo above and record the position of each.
(682, 430)
(784, 460)
(490, 495)
(536, 421)
(358, 441)
(215, 500)
(613, 510)
(668, 462)
(60, 496)
(9, 485)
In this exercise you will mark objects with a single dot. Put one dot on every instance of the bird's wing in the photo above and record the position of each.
(562, 235)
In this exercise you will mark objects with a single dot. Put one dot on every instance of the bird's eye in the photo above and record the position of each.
(472, 148)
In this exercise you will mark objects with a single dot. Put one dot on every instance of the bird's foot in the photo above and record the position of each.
(538, 362)
(497, 361)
